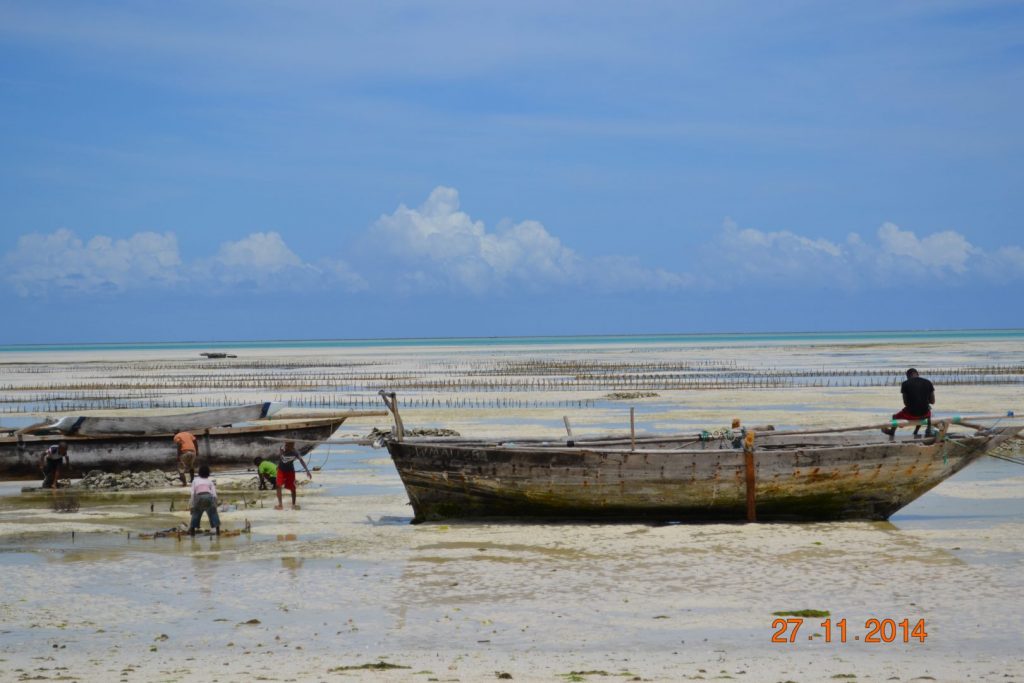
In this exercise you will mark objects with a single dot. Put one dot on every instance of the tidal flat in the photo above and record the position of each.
(346, 588)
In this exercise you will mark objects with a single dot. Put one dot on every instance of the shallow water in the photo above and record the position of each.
(349, 581)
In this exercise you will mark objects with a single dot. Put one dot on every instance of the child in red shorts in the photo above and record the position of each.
(286, 473)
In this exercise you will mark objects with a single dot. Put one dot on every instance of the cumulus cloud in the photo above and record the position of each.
(261, 258)
(938, 251)
(262, 251)
(61, 261)
(780, 256)
(886, 260)
(440, 246)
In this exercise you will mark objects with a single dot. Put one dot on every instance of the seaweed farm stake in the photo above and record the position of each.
(748, 461)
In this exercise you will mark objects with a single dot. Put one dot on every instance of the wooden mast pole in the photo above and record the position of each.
(748, 461)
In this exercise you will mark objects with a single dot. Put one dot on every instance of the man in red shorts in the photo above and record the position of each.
(918, 398)
(286, 473)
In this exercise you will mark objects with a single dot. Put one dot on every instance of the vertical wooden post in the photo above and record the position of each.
(398, 418)
(748, 461)
(568, 430)
(391, 401)
(632, 429)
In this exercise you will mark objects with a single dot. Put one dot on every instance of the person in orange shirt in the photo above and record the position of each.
(186, 443)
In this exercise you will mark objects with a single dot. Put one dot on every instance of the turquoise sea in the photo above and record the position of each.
(890, 336)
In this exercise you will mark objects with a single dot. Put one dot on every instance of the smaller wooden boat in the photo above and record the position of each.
(161, 424)
(219, 446)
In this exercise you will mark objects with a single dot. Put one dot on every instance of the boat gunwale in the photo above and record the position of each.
(583, 446)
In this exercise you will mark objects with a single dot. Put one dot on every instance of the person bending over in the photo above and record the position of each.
(267, 472)
(186, 443)
(51, 461)
(203, 499)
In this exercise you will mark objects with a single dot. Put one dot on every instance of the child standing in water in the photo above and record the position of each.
(203, 499)
(286, 473)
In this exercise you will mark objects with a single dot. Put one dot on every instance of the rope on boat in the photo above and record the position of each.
(354, 441)
(1007, 458)
(327, 456)
(958, 420)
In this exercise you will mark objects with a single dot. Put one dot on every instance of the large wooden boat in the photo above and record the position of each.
(20, 453)
(773, 476)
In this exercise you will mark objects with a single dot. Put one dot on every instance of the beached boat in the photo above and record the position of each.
(20, 452)
(163, 424)
(742, 475)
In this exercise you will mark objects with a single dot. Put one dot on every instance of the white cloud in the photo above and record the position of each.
(937, 251)
(61, 261)
(1004, 264)
(262, 251)
(781, 256)
(261, 259)
(440, 245)
(437, 246)
(888, 260)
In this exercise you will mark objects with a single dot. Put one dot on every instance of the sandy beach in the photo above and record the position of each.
(346, 588)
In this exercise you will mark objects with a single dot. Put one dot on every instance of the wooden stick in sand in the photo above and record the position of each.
(751, 472)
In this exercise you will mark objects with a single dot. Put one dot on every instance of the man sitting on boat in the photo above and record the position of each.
(50, 463)
(918, 398)
(186, 443)
(266, 470)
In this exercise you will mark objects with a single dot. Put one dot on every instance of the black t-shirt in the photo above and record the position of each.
(917, 392)
(286, 461)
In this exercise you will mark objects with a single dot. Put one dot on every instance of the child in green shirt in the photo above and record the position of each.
(267, 472)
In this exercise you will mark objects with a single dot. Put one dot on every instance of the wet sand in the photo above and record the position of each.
(346, 581)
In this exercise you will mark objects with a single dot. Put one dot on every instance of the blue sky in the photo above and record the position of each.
(314, 169)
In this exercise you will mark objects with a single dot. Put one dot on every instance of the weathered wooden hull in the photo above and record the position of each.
(19, 456)
(808, 482)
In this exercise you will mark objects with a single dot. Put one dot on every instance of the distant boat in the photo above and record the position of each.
(20, 452)
(777, 476)
(140, 424)
(218, 354)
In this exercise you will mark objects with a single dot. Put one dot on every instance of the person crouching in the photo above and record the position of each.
(266, 470)
(203, 499)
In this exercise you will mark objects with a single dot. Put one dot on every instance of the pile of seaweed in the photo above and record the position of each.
(380, 433)
(127, 481)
